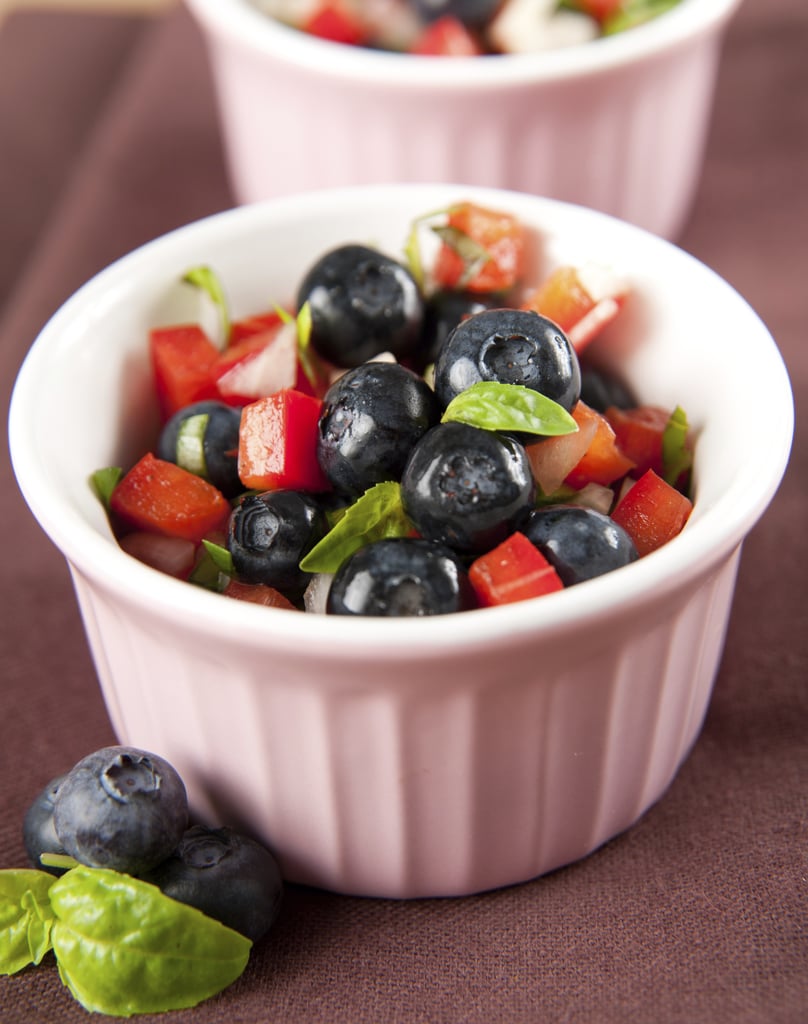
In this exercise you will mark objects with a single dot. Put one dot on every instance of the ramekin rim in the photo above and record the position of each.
(241, 22)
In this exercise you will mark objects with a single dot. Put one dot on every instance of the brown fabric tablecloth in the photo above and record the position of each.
(108, 137)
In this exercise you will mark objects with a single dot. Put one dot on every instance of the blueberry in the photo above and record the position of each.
(601, 389)
(511, 346)
(227, 876)
(473, 13)
(362, 303)
(371, 418)
(466, 487)
(580, 543)
(268, 534)
(443, 311)
(399, 577)
(203, 438)
(121, 808)
(38, 832)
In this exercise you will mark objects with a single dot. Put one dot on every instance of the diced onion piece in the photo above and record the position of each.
(531, 26)
(171, 555)
(393, 24)
(271, 369)
(316, 593)
(293, 12)
(553, 458)
(590, 325)
(596, 496)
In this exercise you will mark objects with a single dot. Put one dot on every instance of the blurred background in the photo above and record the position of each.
(123, 6)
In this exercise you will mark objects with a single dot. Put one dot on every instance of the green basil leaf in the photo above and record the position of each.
(58, 860)
(505, 407)
(677, 457)
(634, 13)
(283, 314)
(206, 573)
(207, 280)
(123, 947)
(221, 557)
(214, 567)
(378, 514)
(25, 918)
(412, 244)
(313, 366)
(104, 481)
(412, 255)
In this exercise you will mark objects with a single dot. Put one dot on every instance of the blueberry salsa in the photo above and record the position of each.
(143, 910)
(463, 28)
(419, 435)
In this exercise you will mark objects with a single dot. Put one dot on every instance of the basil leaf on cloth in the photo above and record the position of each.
(123, 947)
(25, 918)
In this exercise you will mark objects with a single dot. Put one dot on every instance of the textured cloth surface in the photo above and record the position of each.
(108, 137)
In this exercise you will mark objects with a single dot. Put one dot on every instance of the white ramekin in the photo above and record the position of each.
(618, 124)
(405, 757)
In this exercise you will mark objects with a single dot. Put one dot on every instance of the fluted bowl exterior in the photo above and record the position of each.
(409, 757)
(618, 124)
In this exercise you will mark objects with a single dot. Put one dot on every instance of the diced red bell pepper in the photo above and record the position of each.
(161, 497)
(562, 298)
(600, 10)
(446, 37)
(513, 571)
(603, 462)
(278, 443)
(639, 433)
(500, 234)
(652, 512)
(257, 593)
(248, 326)
(183, 359)
(333, 21)
(582, 315)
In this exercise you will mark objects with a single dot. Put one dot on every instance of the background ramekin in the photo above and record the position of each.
(409, 757)
(618, 124)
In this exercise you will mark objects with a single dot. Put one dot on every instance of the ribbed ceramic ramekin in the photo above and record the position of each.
(618, 124)
(410, 757)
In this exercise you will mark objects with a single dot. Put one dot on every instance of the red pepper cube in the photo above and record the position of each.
(603, 461)
(278, 443)
(257, 593)
(600, 10)
(183, 360)
(639, 433)
(161, 497)
(337, 23)
(258, 323)
(513, 571)
(562, 298)
(652, 512)
(446, 37)
(501, 235)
